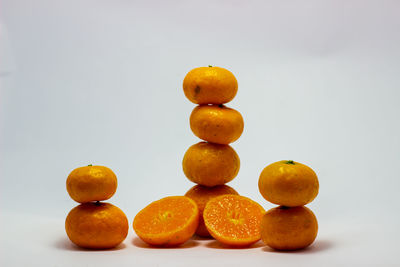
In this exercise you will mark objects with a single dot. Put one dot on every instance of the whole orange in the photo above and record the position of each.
(216, 124)
(284, 228)
(96, 225)
(210, 85)
(201, 195)
(288, 183)
(91, 183)
(210, 164)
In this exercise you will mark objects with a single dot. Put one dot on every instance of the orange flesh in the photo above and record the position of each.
(169, 221)
(201, 195)
(234, 220)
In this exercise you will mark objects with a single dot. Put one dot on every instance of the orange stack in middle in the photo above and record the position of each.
(213, 162)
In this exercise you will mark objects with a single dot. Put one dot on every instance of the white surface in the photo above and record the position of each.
(100, 82)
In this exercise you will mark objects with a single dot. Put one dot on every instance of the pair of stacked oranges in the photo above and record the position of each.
(210, 207)
(94, 224)
(291, 185)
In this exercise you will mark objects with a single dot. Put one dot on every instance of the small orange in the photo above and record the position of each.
(170, 221)
(201, 195)
(284, 228)
(216, 124)
(288, 183)
(210, 85)
(233, 220)
(96, 225)
(91, 183)
(210, 164)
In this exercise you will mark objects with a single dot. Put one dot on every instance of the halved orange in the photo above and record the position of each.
(170, 221)
(201, 195)
(233, 220)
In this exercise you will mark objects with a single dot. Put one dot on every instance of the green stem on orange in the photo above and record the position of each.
(90, 165)
(290, 162)
(210, 66)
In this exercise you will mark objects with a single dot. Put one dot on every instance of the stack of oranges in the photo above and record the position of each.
(210, 207)
(291, 185)
(94, 224)
(213, 163)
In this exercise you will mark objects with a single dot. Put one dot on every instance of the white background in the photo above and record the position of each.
(100, 82)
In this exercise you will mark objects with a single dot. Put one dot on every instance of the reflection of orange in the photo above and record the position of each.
(285, 228)
(210, 85)
(210, 164)
(96, 225)
(170, 221)
(201, 195)
(233, 220)
(91, 183)
(216, 124)
(288, 183)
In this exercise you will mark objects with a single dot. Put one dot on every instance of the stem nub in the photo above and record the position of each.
(290, 162)
(90, 165)
(210, 66)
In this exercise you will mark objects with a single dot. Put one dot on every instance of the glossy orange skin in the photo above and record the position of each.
(284, 228)
(210, 164)
(201, 195)
(234, 220)
(210, 85)
(91, 183)
(96, 225)
(170, 221)
(288, 184)
(216, 124)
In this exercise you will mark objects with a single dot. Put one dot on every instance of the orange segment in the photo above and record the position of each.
(233, 220)
(201, 195)
(170, 221)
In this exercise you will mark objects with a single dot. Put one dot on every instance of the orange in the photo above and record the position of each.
(201, 195)
(96, 225)
(284, 228)
(233, 220)
(210, 164)
(216, 124)
(210, 85)
(170, 221)
(288, 183)
(91, 183)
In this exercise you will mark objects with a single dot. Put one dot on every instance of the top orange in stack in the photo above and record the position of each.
(213, 163)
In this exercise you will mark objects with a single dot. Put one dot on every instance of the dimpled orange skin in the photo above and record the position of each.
(210, 164)
(288, 183)
(210, 85)
(168, 222)
(284, 228)
(201, 195)
(96, 225)
(234, 220)
(216, 124)
(91, 183)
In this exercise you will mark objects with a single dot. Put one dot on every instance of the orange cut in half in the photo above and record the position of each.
(170, 221)
(234, 220)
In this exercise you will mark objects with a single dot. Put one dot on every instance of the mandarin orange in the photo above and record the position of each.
(233, 220)
(210, 85)
(201, 195)
(216, 124)
(96, 225)
(288, 183)
(210, 164)
(284, 228)
(170, 221)
(91, 183)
